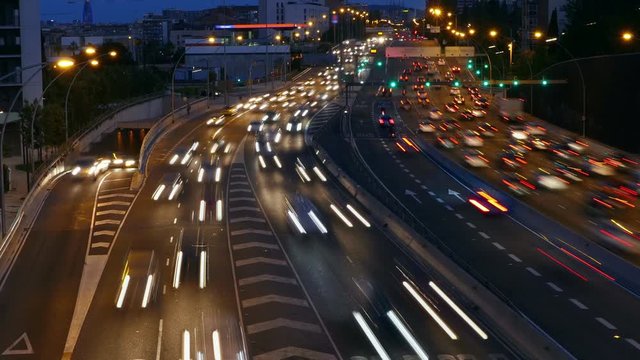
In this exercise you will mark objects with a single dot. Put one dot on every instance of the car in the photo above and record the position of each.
(216, 120)
(139, 280)
(405, 104)
(171, 184)
(535, 129)
(427, 127)
(466, 115)
(487, 203)
(487, 130)
(478, 112)
(263, 143)
(551, 182)
(518, 184)
(441, 62)
(434, 114)
(518, 132)
(475, 158)
(458, 100)
(471, 138)
(294, 124)
(481, 102)
(386, 120)
(454, 91)
(538, 143)
(230, 111)
(404, 77)
(255, 126)
(417, 87)
(303, 216)
(600, 167)
(210, 170)
(451, 107)
(90, 167)
(421, 79)
(446, 141)
(271, 116)
(122, 161)
(421, 94)
(384, 91)
(450, 125)
(182, 156)
(511, 160)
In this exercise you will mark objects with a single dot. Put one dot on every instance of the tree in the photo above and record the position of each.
(52, 125)
(552, 30)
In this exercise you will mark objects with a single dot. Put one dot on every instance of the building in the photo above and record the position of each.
(87, 13)
(153, 28)
(293, 12)
(535, 17)
(20, 47)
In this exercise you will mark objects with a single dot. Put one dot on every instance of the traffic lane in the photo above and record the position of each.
(352, 265)
(450, 221)
(151, 225)
(38, 297)
(570, 205)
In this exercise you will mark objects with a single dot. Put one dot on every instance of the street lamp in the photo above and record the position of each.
(627, 36)
(493, 33)
(90, 50)
(472, 31)
(537, 34)
(63, 64)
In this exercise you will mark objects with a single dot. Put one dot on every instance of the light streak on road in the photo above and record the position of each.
(429, 310)
(296, 222)
(341, 215)
(158, 192)
(262, 163)
(219, 210)
(123, 291)
(227, 148)
(257, 147)
(382, 353)
(458, 311)
(319, 173)
(202, 210)
(200, 174)
(217, 350)
(277, 161)
(203, 269)
(318, 223)
(177, 270)
(303, 174)
(407, 335)
(147, 291)
(357, 214)
(217, 176)
(173, 159)
(174, 192)
(186, 345)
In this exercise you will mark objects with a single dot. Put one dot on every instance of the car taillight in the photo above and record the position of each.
(392, 122)
(380, 121)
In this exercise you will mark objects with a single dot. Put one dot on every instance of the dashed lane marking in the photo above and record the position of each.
(515, 258)
(110, 212)
(266, 277)
(439, 200)
(471, 225)
(555, 287)
(255, 244)
(633, 343)
(260, 260)
(243, 208)
(107, 222)
(115, 195)
(241, 199)
(274, 298)
(448, 207)
(104, 232)
(485, 236)
(606, 324)
(282, 322)
(497, 245)
(100, 245)
(533, 271)
(578, 304)
(459, 216)
(116, 203)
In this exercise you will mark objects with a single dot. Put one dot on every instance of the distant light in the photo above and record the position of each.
(627, 36)
(90, 50)
(551, 39)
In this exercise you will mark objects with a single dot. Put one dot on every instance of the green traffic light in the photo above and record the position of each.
(469, 66)
(516, 82)
(393, 84)
(486, 66)
(470, 61)
(379, 63)
(501, 85)
(477, 72)
(428, 83)
(544, 82)
(456, 83)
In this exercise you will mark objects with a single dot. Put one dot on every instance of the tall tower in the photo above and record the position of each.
(87, 13)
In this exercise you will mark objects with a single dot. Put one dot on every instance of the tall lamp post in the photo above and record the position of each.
(62, 64)
(88, 51)
(173, 76)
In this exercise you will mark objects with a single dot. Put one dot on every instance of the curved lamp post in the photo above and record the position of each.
(63, 64)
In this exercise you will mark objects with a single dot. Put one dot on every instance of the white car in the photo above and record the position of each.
(426, 127)
(551, 182)
(519, 133)
(435, 114)
(454, 91)
(255, 127)
(472, 139)
(216, 121)
(441, 62)
(478, 113)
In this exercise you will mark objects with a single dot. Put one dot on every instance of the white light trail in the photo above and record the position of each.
(147, 291)
(123, 291)
(429, 310)
(341, 215)
(319, 173)
(203, 269)
(177, 270)
(407, 335)
(296, 222)
(458, 311)
(371, 336)
(357, 214)
(317, 221)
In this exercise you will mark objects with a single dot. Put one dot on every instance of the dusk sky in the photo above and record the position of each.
(128, 10)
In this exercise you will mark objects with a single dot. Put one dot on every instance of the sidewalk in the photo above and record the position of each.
(18, 188)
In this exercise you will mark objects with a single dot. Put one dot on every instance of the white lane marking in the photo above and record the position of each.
(606, 324)
(515, 258)
(102, 244)
(401, 165)
(484, 235)
(533, 271)
(119, 203)
(107, 222)
(116, 195)
(423, 187)
(104, 232)
(418, 181)
(243, 208)
(459, 216)
(159, 346)
(246, 219)
(579, 304)
(471, 225)
(405, 170)
(439, 200)
(554, 287)
(411, 176)
(110, 212)
(633, 343)
(114, 189)
(498, 245)
(448, 207)
(431, 193)
(22, 346)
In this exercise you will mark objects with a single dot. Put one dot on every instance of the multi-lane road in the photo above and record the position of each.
(556, 287)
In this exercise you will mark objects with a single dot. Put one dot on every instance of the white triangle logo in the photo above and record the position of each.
(22, 346)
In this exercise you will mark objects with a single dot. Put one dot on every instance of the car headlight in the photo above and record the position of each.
(76, 170)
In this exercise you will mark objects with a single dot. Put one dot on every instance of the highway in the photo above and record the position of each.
(555, 287)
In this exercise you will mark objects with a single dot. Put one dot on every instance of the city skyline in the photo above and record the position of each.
(109, 11)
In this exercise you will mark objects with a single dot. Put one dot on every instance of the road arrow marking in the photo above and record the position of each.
(413, 195)
(456, 194)
(22, 346)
